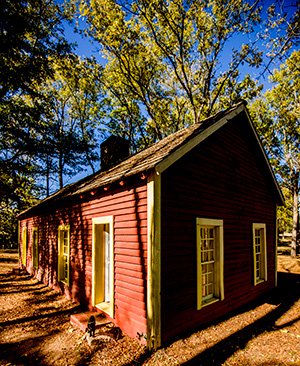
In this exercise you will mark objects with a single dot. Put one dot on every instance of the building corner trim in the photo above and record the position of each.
(154, 261)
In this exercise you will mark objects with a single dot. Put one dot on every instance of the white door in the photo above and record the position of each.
(102, 264)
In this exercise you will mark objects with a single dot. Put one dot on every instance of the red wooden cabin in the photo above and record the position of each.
(168, 239)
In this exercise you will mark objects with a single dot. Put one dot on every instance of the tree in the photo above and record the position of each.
(278, 121)
(30, 34)
(30, 37)
(166, 55)
(281, 33)
(73, 109)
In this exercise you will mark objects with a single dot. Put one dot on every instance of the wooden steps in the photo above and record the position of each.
(80, 320)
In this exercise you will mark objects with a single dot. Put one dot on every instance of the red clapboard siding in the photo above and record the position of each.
(130, 308)
(133, 267)
(132, 294)
(130, 279)
(221, 178)
(129, 208)
(131, 252)
(140, 304)
(130, 273)
(131, 231)
(124, 320)
(127, 285)
(131, 245)
(142, 239)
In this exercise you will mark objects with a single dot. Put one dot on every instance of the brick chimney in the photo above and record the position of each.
(113, 150)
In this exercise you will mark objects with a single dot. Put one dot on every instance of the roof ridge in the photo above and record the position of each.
(139, 162)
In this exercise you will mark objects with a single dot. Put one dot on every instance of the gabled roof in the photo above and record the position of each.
(161, 155)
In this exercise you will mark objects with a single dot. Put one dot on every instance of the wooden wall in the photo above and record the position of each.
(222, 178)
(128, 205)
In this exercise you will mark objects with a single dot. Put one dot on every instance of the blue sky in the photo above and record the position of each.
(86, 49)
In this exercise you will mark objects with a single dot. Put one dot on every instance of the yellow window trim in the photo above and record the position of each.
(256, 226)
(64, 280)
(103, 306)
(24, 246)
(218, 224)
(35, 261)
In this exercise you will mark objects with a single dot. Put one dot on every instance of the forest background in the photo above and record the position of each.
(158, 66)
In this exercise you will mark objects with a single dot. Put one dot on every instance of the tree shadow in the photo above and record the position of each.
(73, 310)
(20, 352)
(4, 278)
(12, 285)
(22, 290)
(9, 260)
(284, 296)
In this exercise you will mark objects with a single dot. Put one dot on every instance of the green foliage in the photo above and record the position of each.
(281, 33)
(164, 57)
(30, 34)
(285, 213)
(73, 105)
(163, 62)
(277, 119)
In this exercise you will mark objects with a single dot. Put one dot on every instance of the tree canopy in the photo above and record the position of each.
(164, 64)
(30, 37)
(277, 116)
(166, 55)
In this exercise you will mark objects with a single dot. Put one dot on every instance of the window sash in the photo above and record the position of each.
(24, 246)
(207, 247)
(259, 253)
(210, 261)
(64, 254)
(35, 249)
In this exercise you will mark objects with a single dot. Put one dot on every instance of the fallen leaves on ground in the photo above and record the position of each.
(35, 329)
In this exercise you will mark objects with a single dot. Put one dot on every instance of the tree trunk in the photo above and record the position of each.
(295, 215)
(47, 177)
(60, 171)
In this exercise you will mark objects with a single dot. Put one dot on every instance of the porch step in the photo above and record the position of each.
(17, 271)
(80, 320)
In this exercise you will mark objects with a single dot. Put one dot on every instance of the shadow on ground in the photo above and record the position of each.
(284, 296)
(32, 330)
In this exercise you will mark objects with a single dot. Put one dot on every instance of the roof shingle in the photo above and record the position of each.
(140, 162)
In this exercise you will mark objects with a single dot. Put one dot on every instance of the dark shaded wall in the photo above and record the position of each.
(223, 178)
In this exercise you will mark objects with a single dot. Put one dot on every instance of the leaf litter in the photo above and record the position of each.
(35, 329)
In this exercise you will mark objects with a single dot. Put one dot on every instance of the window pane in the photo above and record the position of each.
(204, 256)
(65, 274)
(64, 254)
(207, 244)
(259, 253)
(65, 241)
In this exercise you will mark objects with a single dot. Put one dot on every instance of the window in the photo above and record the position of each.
(64, 254)
(210, 261)
(24, 245)
(259, 253)
(103, 264)
(35, 248)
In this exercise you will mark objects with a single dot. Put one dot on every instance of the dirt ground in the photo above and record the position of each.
(35, 329)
